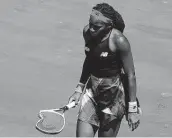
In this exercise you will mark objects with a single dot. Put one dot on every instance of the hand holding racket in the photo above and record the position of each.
(75, 98)
(79, 90)
(52, 121)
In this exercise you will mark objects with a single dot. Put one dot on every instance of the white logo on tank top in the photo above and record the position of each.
(104, 54)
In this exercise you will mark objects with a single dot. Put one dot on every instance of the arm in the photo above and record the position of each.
(128, 65)
(124, 49)
(86, 65)
(84, 75)
(85, 71)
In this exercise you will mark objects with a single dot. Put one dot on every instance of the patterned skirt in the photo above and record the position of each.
(103, 101)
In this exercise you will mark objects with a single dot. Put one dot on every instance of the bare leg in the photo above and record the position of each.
(85, 129)
(111, 130)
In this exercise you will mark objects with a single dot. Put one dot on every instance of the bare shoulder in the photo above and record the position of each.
(85, 30)
(120, 42)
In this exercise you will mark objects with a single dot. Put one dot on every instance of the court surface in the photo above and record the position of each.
(42, 51)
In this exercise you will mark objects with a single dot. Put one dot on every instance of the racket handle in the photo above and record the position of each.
(70, 105)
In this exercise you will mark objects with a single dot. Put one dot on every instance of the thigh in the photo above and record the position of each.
(88, 111)
(85, 129)
(88, 121)
(111, 129)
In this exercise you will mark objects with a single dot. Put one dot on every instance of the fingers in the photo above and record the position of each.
(73, 99)
(133, 126)
(133, 120)
(137, 124)
(130, 124)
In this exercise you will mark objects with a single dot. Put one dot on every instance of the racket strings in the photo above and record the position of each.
(45, 126)
(51, 122)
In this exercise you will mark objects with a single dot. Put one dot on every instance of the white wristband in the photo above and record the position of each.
(81, 85)
(132, 107)
(78, 90)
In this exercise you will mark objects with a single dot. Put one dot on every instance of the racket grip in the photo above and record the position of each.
(70, 105)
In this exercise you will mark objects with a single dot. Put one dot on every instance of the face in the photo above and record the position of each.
(98, 24)
(95, 24)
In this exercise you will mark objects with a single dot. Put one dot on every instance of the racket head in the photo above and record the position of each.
(51, 121)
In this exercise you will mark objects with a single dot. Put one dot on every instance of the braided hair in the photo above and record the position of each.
(109, 12)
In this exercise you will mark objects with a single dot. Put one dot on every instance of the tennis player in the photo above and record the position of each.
(108, 54)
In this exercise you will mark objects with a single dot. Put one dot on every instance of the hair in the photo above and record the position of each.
(109, 12)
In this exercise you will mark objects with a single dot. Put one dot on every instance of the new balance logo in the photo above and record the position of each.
(104, 54)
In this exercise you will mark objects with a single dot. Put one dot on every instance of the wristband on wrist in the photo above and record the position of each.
(81, 85)
(132, 107)
(78, 92)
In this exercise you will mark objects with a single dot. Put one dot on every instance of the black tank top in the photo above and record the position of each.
(104, 63)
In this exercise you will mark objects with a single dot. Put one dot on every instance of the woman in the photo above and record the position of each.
(108, 53)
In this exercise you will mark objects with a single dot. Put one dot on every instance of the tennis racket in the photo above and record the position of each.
(52, 121)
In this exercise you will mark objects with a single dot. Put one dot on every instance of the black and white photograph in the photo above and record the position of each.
(85, 68)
